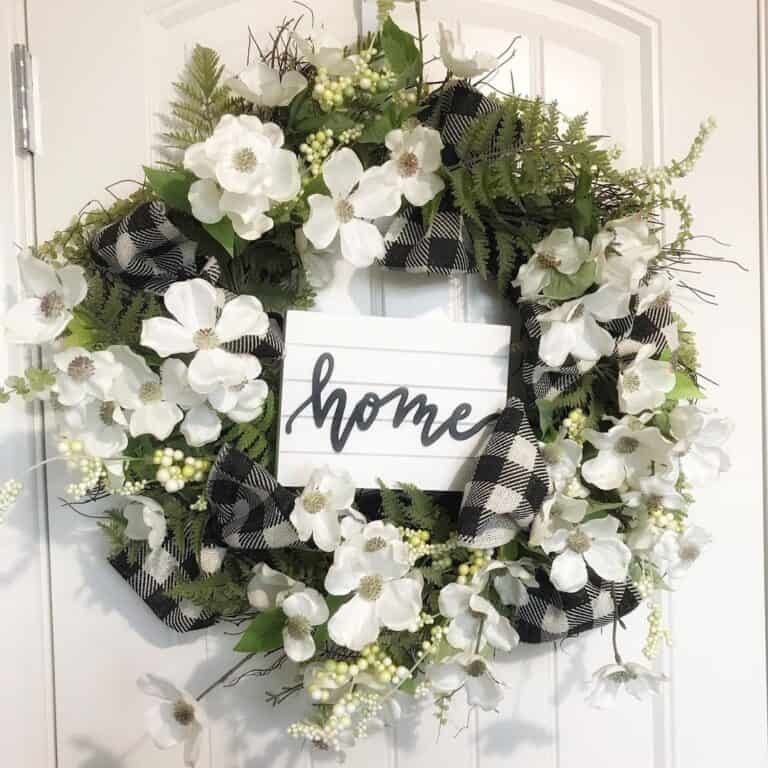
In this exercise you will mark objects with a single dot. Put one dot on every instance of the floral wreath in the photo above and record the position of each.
(162, 322)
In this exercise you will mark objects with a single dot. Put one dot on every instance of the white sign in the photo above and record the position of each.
(394, 399)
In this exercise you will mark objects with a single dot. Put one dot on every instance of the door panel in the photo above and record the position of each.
(105, 74)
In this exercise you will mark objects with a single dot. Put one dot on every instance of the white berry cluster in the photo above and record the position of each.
(176, 469)
(656, 633)
(574, 424)
(130, 488)
(316, 148)
(90, 468)
(10, 490)
(331, 92)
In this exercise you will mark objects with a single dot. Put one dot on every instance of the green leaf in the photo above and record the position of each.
(401, 50)
(429, 210)
(546, 410)
(264, 633)
(564, 287)
(223, 233)
(172, 187)
(685, 388)
(376, 131)
(582, 204)
(509, 551)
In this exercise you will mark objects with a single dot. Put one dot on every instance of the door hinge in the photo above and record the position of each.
(23, 98)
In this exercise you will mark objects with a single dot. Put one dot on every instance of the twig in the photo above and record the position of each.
(221, 679)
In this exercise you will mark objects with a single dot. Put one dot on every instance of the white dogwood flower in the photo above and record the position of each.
(175, 717)
(324, 51)
(558, 253)
(265, 87)
(458, 60)
(563, 458)
(84, 375)
(303, 610)
(700, 438)
(511, 580)
(675, 553)
(317, 263)
(626, 452)
(638, 681)
(146, 521)
(201, 326)
(243, 401)
(624, 251)
(315, 514)
(201, 425)
(572, 328)
(101, 425)
(52, 294)
(644, 383)
(595, 543)
(415, 156)
(356, 197)
(655, 498)
(153, 401)
(473, 620)
(383, 594)
(471, 672)
(268, 588)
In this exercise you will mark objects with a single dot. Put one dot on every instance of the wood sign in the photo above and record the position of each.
(394, 399)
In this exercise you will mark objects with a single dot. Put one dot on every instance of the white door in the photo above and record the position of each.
(647, 75)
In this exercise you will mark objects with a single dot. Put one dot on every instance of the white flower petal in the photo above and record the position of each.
(297, 647)
(341, 172)
(355, 624)
(201, 426)
(323, 223)
(609, 558)
(166, 336)
(157, 419)
(569, 572)
(361, 243)
(193, 303)
(243, 316)
(205, 198)
(73, 284)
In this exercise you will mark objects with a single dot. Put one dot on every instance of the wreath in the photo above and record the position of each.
(162, 322)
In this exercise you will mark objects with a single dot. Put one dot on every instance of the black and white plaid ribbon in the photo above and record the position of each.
(148, 252)
(549, 615)
(656, 325)
(509, 484)
(445, 247)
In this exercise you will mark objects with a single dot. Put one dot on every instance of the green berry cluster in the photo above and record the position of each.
(316, 148)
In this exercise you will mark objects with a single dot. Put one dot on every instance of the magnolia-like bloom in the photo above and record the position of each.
(176, 717)
(474, 621)
(268, 587)
(471, 672)
(700, 438)
(152, 400)
(595, 543)
(52, 295)
(101, 425)
(656, 292)
(626, 452)
(675, 553)
(146, 521)
(317, 263)
(645, 382)
(201, 326)
(303, 610)
(563, 458)
(264, 87)
(654, 493)
(242, 169)
(356, 197)
(637, 680)
(243, 401)
(316, 512)
(572, 328)
(558, 253)
(84, 375)
(458, 60)
(377, 542)
(382, 594)
(324, 51)
(415, 156)
(624, 251)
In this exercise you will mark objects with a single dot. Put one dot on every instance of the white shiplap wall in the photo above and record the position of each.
(647, 75)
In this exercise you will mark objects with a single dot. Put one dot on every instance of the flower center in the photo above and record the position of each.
(107, 413)
(689, 552)
(552, 453)
(663, 299)
(476, 668)
(52, 305)
(244, 160)
(375, 544)
(548, 260)
(631, 382)
(206, 338)
(314, 501)
(627, 445)
(81, 368)
(408, 165)
(150, 392)
(345, 211)
(183, 712)
(579, 542)
(298, 627)
(624, 676)
(370, 587)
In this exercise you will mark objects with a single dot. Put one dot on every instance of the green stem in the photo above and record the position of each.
(420, 32)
